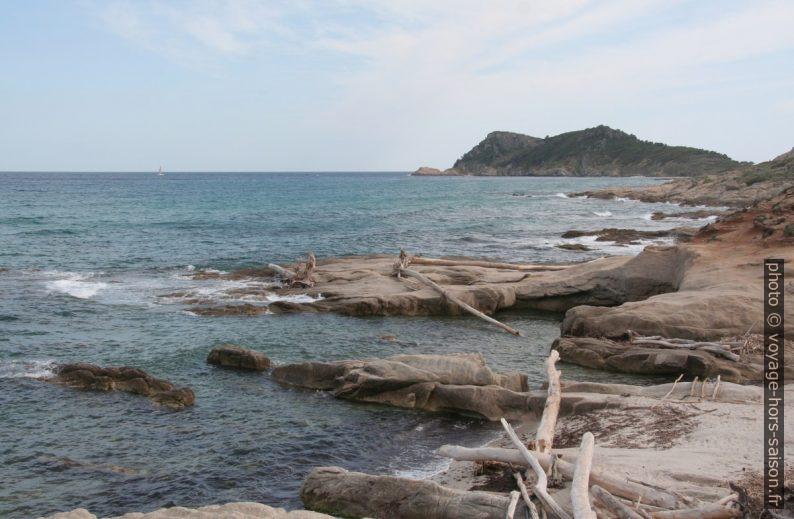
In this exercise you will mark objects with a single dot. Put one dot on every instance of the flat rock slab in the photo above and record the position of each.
(235, 357)
(460, 383)
(129, 380)
(352, 494)
(625, 357)
(242, 510)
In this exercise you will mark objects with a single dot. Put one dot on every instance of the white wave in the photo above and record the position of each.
(432, 469)
(30, 368)
(602, 214)
(297, 298)
(647, 216)
(76, 285)
(612, 248)
(190, 268)
(622, 199)
(561, 195)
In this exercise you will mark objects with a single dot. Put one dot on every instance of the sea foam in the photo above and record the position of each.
(76, 285)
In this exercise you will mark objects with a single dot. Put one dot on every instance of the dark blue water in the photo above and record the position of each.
(90, 260)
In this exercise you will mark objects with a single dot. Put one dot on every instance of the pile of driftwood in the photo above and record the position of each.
(303, 276)
(719, 349)
(612, 496)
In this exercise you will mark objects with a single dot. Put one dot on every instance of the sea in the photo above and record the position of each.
(90, 263)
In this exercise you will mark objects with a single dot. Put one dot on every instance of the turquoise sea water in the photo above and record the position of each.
(89, 259)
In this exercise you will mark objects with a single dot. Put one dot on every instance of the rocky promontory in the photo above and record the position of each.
(738, 188)
(599, 151)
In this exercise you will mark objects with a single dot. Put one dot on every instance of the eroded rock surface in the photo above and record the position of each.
(460, 383)
(630, 358)
(242, 510)
(235, 357)
(352, 494)
(633, 236)
(130, 380)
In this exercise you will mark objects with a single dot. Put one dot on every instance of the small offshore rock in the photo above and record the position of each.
(129, 380)
(574, 246)
(235, 357)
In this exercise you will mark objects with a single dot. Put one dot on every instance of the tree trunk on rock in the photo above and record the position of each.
(418, 260)
(352, 494)
(448, 295)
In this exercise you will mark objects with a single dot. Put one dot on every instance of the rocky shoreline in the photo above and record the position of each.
(690, 310)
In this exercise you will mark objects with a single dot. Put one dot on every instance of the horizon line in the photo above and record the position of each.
(154, 172)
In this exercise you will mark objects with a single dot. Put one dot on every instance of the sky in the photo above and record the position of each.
(370, 85)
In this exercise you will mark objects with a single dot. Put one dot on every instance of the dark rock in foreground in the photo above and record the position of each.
(337, 491)
(129, 380)
(232, 356)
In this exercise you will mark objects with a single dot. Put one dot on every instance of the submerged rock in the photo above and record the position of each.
(130, 380)
(574, 246)
(220, 311)
(692, 215)
(632, 236)
(460, 383)
(233, 356)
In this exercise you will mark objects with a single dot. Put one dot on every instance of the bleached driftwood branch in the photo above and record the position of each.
(283, 273)
(715, 348)
(303, 274)
(448, 295)
(533, 511)
(418, 260)
(403, 261)
(613, 504)
(715, 511)
(511, 507)
(551, 409)
(580, 497)
(540, 489)
(673, 388)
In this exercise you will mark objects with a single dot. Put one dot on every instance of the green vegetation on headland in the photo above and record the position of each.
(599, 151)
(780, 168)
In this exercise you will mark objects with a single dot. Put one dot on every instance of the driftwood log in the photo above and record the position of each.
(533, 511)
(716, 348)
(580, 483)
(418, 260)
(511, 508)
(613, 504)
(449, 297)
(715, 511)
(352, 494)
(615, 485)
(551, 409)
(303, 274)
(541, 487)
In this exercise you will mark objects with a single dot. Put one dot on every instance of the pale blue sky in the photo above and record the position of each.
(239, 85)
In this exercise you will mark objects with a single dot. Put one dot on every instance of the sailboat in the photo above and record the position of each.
(160, 172)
